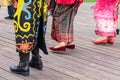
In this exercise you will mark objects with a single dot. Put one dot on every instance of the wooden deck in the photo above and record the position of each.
(86, 62)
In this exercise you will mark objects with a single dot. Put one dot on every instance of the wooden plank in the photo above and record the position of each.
(45, 74)
(92, 64)
(59, 69)
(2, 78)
(86, 62)
(4, 70)
(90, 72)
(15, 58)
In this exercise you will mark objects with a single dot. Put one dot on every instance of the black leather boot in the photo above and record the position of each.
(23, 66)
(117, 31)
(36, 61)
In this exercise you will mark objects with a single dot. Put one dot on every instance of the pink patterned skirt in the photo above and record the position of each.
(106, 16)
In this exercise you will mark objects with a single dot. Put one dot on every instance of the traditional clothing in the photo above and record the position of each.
(106, 16)
(30, 20)
(63, 17)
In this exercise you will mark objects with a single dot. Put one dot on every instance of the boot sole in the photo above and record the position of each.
(22, 73)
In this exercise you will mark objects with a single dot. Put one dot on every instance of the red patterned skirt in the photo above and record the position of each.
(62, 25)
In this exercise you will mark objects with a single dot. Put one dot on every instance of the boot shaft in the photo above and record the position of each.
(24, 57)
(35, 54)
(35, 51)
(36, 61)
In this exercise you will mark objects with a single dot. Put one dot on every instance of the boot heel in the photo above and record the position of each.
(25, 73)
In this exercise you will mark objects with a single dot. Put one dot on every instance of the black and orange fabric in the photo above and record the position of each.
(30, 19)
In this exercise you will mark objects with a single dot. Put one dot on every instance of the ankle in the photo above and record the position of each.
(101, 38)
(70, 43)
(60, 44)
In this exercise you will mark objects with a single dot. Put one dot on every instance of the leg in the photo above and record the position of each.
(62, 28)
(117, 31)
(36, 61)
(23, 66)
(10, 12)
(70, 45)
